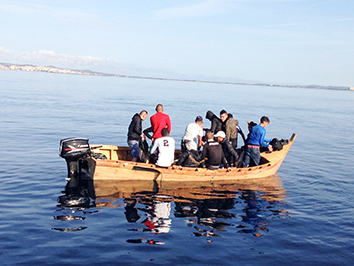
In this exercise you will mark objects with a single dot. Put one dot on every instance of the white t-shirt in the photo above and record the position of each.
(193, 132)
(166, 148)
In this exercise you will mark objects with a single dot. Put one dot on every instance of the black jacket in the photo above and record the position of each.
(230, 154)
(213, 151)
(135, 128)
(190, 158)
(216, 123)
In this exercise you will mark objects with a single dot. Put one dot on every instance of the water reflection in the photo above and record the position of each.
(209, 208)
(78, 196)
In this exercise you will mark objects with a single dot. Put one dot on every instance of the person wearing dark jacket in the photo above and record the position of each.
(190, 158)
(230, 154)
(212, 152)
(135, 134)
(216, 123)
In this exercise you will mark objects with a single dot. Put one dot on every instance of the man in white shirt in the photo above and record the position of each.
(193, 136)
(166, 149)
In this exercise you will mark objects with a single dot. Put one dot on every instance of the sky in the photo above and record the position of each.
(294, 42)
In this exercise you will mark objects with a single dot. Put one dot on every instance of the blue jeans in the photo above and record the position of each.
(134, 148)
(251, 153)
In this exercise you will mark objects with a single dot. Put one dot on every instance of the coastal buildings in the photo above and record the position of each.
(51, 69)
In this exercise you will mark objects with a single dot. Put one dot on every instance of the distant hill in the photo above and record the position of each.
(53, 69)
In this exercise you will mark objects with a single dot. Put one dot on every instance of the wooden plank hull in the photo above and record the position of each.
(119, 167)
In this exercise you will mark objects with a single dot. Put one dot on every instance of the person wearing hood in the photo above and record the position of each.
(135, 134)
(216, 123)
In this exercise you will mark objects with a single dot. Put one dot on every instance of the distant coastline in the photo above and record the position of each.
(53, 69)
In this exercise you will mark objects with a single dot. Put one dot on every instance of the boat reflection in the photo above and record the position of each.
(209, 208)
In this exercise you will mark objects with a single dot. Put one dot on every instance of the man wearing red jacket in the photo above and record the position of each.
(159, 121)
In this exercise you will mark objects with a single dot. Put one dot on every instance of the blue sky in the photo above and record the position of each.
(275, 41)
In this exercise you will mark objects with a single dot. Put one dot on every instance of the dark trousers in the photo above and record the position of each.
(251, 154)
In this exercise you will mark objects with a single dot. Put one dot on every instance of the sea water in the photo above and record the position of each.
(304, 217)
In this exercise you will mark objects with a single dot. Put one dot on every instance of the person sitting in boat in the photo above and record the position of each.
(230, 154)
(159, 121)
(135, 134)
(165, 148)
(255, 141)
(189, 158)
(193, 134)
(212, 152)
(216, 123)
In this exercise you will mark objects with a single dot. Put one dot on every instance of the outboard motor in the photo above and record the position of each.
(74, 151)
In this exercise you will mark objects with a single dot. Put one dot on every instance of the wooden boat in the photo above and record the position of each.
(118, 166)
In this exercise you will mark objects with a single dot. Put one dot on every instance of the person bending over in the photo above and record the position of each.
(255, 141)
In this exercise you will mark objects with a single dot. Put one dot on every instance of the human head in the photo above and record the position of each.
(143, 114)
(209, 115)
(165, 132)
(209, 134)
(159, 108)
(223, 115)
(199, 120)
(251, 124)
(264, 121)
(220, 136)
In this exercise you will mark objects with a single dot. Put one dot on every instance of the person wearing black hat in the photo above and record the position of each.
(192, 139)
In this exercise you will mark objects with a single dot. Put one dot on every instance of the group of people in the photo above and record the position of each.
(214, 149)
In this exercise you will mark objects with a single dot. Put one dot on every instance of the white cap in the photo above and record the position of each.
(220, 134)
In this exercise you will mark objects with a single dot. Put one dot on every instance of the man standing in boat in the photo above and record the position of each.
(193, 137)
(255, 141)
(159, 121)
(135, 134)
(229, 127)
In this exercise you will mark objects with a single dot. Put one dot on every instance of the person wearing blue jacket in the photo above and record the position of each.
(255, 141)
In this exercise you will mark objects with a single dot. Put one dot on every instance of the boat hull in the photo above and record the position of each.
(119, 167)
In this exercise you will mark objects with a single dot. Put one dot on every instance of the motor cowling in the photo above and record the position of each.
(72, 150)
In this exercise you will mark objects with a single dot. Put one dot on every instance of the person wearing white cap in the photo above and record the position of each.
(230, 154)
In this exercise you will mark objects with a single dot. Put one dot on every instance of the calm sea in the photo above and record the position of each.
(302, 216)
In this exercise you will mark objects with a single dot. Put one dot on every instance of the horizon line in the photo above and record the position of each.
(58, 70)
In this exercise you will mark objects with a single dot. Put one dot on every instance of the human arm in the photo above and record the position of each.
(200, 142)
(200, 137)
(243, 137)
(154, 147)
(263, 141)
(224, 161)
(168, 123)
(239, 130)
(231, 129)
(147, 132)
